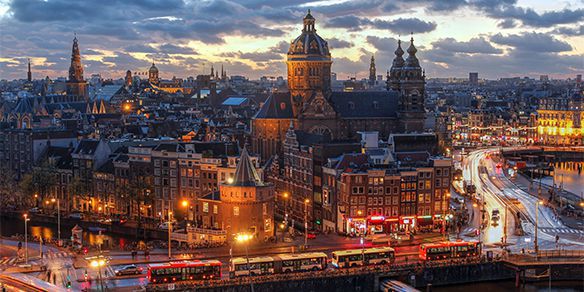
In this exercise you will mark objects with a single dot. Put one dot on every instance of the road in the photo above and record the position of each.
(498, 192)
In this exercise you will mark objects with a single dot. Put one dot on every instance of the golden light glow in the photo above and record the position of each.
(243, 237)
(185, 203)
(229, 180)
(540, 202)
(285, 195)
(306, 201)
(448, 195)
(359, 212)
(282, 226)
(97, 263)
(99, 208)
(53, 200)
(127, 107)
(475, 205)
(25, 215)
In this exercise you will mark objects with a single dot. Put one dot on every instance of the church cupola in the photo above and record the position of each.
(412, 60)
(309, 64)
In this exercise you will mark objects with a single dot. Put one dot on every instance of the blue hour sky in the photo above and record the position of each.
(497, 38)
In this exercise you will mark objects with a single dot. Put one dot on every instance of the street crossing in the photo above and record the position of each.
(10, 261)
(562, 230)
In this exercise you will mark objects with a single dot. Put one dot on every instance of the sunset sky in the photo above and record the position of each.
(497, 38)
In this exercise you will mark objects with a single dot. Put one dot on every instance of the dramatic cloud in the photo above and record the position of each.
(400, 25)
(185, 36)
(532, 42)
(335, 43)
(473, 46)
(570, 31)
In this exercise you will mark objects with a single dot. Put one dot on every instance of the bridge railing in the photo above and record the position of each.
(561, 253)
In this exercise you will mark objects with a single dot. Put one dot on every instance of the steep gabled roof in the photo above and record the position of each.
(276, 106)
(245, 173)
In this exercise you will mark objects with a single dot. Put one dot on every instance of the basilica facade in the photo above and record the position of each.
(312, 109)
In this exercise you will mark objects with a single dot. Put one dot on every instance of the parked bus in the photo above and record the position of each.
(257, 266)
(313, 261)
(449, 250)
(354, 257)
(183, 271)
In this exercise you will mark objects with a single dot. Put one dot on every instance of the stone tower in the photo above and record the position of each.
(153, 75)
(407, 77)
(247, 202)
(76, 85)
(128, 79)
(372, 72)
(309, 65)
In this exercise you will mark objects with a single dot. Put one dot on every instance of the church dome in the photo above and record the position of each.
(153, 69)
(309, 45)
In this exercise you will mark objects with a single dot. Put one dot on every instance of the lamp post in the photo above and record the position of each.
(26, 219)
(98, 263)
(244, 239)
(535, 243)
(185, 204)
(306, 222)
(169, 233)
(285, 196)
(53, 200)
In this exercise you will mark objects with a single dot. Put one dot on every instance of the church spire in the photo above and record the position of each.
(372, 71)
(76, 69)
(412, 60)
(29, 75)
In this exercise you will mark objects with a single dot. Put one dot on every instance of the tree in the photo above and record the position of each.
(39, 182)
(78, 188)
(10, 193)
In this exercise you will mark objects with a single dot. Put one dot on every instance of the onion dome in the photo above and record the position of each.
(309, 43)
(153, 69)
(412, 60)
(398, 61)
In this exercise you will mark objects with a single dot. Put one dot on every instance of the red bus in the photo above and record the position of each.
(449, 250)
(183, 271)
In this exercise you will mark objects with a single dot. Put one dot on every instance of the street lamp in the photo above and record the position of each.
(26, 219)
(185, 204)
(306, 222)
(245, 239)
(98, 263)
(169, 232)
(285, 195)
(282, 228)
(58, 219)
(536, 245)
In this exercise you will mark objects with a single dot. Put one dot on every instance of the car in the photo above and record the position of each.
(311, 235)
(77, 216)
(128, 270)
(119, 220)
(35, 210)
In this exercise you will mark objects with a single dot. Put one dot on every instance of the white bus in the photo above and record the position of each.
(257, 266)
(312, 261)
(354, 257)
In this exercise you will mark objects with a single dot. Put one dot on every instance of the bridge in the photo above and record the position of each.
(564, 265)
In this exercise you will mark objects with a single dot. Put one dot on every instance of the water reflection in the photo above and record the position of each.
(570, 175)
(13, 226)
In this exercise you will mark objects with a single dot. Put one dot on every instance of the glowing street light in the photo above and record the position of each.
(98, 263)
(306, 202)
(26, 219)
(229, 180)
(245, 238)
(53, 200)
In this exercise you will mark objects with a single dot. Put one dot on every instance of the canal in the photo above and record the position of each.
(569, 175)
(13, 226)
(556, 286)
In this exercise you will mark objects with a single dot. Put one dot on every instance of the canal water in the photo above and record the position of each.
(566, 174)
(12, 226)
(559, 286)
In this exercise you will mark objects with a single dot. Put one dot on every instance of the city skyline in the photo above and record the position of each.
(514, 38)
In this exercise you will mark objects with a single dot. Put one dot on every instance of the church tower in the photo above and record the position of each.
(153, 75)
(309, 65)
(29, 75)
(76, 85)
(372, 72)
(128, 79)
(408, 78)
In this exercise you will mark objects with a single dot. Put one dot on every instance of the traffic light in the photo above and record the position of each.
(318, 221)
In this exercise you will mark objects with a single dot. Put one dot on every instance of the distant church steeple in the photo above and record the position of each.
(372, 72)
(76, 85)
(29, 72)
